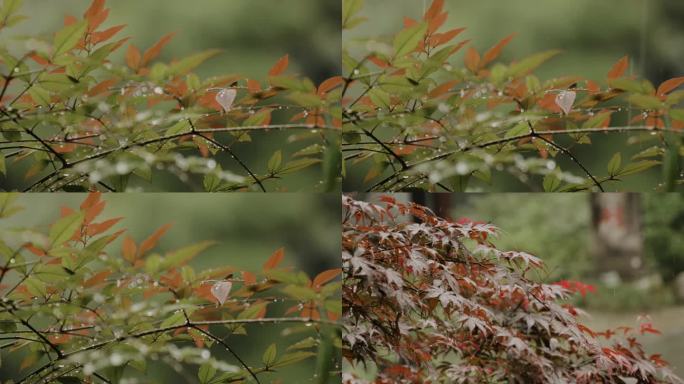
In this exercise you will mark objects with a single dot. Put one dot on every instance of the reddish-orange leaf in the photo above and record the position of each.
(409, 22)
(275, 259)
(249, 278)
(97, 228)
(92, 199)
(154, 51)
(253, 86)
(133, 57)
(436, 22)
(495, 51)
(95, 7)
(325, 276)
(65, 211)
(619, 68)
(69, 19)
(102, 87)
(97, 19)
(330, 84)
(378, 61)
(39, 59)
(261, 313)
(152, 240)
(280, 66)
(442, 89)
(435, 9)
(442, 38)
(472, 59)
(128, 249)
(669, 85)
(35, 250)
(119, 43)
(98, 37)
(97, 279)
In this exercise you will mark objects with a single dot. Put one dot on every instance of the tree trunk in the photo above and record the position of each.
(617, 235)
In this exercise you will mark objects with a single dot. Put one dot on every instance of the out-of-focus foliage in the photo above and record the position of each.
(75, 120)
(417, 117)
(663, 229)
(73, 309)
(431, 300)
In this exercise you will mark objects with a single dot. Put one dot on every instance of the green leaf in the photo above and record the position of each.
(9, 7)
(638, 167)
(40, 95)
(349, 9)
(35, 287)
(309, 342)
(3, 166)
(300, 293)
(677, 114)
(187, 64)
(305, 99)
(626, 85)
(408, 39)
(176, 319)
(275, 162)
(64, 228)
(298, 164)
(252, 311)
(183, 255)
(551, 182)
(206, 373)
(269, 356)
(614, 164)
(530, 63)
(292, 358)
(67, 38)
(379, 97)
(645, 101)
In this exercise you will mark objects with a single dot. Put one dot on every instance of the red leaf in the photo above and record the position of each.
(275, 259)
(280, 66)
(97, 279)
(102, 87)
(97, 228)
(330, 84)
(69, 20)
(669, 85)
(409, 22)
(92, 199)
(253, 86)
(325, 276)
(495, 51)
(128, 249)
(248, 278)
(619, 68)
(442, 89)
(434, 10)
(133, 57)
(98, 37)
(96, 7)
(472, 59)
(152, 240)
(154, 51)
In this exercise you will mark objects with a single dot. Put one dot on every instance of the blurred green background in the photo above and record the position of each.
(592, 34)
(558, 229)
(253, 36)
(247, 227)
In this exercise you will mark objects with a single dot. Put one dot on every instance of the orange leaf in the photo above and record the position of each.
(154, 51)
(35, 250)
(65, 211)
(128, 249)
(434, 10)
(275, 259)
(92, 212)
(472, 59)
(98, 37)
(133, 57)
(102, 87)
(95, 7)
(97, 228)
(436, 22)
(495, 51)
(442, 89)
(669, 85)
(325, 276)
(443, 38)
(253, 86)
(330, 84)
(248, 278)
(39, 59)
(280, 66)
(97, 278)
(69, 20)
(92, 199)
(619, 68)
(152, 240)
(409, 22)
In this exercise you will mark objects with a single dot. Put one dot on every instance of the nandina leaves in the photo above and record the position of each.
(133, 57)
(618, 70)
(155, 50)
(275, 259)
(280, 66)
(423, 303)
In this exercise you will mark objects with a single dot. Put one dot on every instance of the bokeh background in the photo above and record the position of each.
(253, 36)
(247, 227)
(569, 232)
(592, 34)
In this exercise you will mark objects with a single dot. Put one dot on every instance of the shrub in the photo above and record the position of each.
(429, 300)
(72, 311)
(415, 118)
(74, 120)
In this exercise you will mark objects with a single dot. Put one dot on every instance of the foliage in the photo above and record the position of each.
(414, 118)
(663, 227)
(73, 120)
(441, 304)
(75, 311)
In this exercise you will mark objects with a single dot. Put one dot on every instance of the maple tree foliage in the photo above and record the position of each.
(427, 300)
(72, 119)
(414, 116)
(73, 311)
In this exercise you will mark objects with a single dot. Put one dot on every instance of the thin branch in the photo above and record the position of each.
(229, 349)
(575, 160)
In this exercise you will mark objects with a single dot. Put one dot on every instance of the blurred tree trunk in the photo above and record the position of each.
(617, 235)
